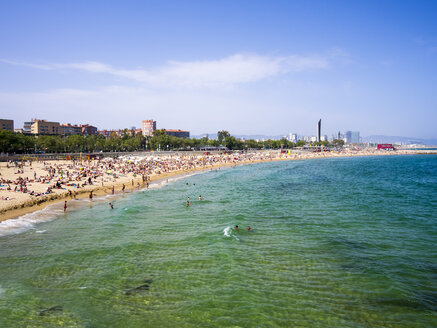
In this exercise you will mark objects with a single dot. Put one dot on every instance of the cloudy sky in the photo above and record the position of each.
(249, 67)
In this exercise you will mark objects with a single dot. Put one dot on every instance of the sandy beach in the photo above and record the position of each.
(30, 186)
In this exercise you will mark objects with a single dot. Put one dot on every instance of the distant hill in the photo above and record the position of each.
(371, 139)
(399, 140)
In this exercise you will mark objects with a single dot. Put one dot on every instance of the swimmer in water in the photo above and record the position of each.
(112, 206)
(248, 228)
(236, 228)
(188, 201)
(200, 197)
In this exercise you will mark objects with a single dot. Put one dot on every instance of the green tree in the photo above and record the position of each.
(222, 135)
(338, 143)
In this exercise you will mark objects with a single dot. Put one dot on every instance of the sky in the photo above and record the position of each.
(248, 67)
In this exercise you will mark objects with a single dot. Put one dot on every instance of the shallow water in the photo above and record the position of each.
(347, 242)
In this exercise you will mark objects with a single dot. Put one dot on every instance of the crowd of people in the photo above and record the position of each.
(24, 180)
(40, 178)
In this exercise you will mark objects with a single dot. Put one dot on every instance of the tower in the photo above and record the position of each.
(319, 130)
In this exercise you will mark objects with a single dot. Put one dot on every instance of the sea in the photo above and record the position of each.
(334, 242)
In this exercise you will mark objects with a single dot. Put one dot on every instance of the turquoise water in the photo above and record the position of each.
(349, 242)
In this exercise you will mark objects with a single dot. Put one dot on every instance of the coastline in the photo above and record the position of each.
(21, 208)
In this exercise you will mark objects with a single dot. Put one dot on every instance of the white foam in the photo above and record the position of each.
(28, 221)
(41, 231)
(163, 182)
(228, 232)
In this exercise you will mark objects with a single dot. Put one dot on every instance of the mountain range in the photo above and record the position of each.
(369, 139)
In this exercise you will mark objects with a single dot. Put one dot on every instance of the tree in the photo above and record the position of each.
(221, 135)
(252, 144)
(338, 143)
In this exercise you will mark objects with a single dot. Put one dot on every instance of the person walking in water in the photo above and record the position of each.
(65, 206)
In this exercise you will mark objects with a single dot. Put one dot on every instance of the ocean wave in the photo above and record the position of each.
(28, 221)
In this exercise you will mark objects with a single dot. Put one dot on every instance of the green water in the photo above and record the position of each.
(347, 242)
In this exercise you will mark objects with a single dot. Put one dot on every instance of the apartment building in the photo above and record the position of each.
(7, 125)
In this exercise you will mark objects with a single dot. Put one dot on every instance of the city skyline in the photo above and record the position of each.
(246, 67)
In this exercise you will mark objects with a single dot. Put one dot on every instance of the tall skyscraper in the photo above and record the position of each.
(319, 130)
(352, 137)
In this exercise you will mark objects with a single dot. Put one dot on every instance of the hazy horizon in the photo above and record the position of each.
(261, 67)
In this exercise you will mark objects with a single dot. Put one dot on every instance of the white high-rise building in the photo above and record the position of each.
(292, 137)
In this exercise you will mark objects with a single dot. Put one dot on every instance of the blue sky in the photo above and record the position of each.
(249, 67)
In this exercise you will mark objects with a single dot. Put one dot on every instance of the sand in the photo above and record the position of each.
(17, 203)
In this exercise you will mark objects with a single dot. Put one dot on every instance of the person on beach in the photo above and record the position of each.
(112, 206)
(65, 206)
(91, 195)
(123, 188)
(113, 190)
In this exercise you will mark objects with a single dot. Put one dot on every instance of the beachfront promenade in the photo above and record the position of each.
(29, 185)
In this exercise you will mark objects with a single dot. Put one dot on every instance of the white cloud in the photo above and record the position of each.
(229, 71)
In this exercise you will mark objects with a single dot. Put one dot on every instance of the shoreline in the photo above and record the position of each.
(29, 206)
(32, 205)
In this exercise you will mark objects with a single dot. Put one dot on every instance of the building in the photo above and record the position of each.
(148, 127)
(352, 137)
(88, 130)
(319, 130)
(18, 130)
(178, 133)
(292, 137)
(68, 130)
(119, 132)
(27, 127)
(7, 125)
(385, 147)
(106, 133)
(45, 127)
